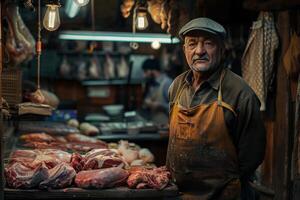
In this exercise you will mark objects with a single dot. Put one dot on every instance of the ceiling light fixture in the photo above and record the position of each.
(118, 36)
(141, 18)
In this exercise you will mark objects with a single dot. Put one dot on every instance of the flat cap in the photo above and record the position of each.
(203, 24)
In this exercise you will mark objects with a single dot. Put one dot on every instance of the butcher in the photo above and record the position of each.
(217, 136)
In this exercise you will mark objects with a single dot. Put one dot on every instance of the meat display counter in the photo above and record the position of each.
(11, 139)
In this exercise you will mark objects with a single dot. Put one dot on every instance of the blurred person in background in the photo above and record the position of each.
(156, 91)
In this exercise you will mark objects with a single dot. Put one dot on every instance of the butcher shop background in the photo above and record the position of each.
(68, 67)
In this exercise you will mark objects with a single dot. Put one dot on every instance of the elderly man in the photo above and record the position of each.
(217, 136)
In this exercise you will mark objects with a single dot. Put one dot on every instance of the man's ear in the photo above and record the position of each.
(183, 48)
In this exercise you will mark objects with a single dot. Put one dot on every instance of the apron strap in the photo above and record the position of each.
(179, 93)
(220, 101)
(229, 107)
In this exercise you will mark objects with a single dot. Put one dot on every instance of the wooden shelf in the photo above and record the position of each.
(95, 53)
(110, 82)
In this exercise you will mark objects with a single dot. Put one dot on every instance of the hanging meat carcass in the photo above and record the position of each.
(173, 18)
(173, 15)
(154, 8)
(123, 68)
(109, 68)
(126, 7)
(94, 68)
(165, 8)
(20, 44)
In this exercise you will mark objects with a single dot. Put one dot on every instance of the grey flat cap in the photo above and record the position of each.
(204, 24)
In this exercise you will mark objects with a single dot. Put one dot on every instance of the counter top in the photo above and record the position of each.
(134, 137)
(79, 193)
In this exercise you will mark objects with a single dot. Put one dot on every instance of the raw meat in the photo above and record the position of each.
(45, 145)
(20, 44)
(77, 162)
(82, 139)
(157, 178)
(102, 158)
(60, 176)
(21, 176)
(101, 178)
(37, 137)
(33, 158)
(96, 152)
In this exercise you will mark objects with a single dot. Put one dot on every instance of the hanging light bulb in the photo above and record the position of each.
(51, 20)
(81, 2)
(141, 18)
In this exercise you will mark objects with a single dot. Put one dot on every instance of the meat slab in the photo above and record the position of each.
(101, 178)
(21, 176)
(157, 178)
(60, 176)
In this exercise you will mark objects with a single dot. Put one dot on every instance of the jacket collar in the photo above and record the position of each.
(213, 80)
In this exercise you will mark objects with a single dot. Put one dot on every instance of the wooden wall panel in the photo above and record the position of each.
(267, 171)
(282, 146)
(1, 121)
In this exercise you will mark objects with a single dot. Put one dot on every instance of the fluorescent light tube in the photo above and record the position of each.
(117, 36)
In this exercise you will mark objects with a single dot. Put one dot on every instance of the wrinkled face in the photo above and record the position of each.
(203, 51)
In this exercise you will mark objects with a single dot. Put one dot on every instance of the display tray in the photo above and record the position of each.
(47, 127)
(170, 192)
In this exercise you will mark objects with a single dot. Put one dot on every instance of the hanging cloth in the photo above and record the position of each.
(291, 59)
(296, 148)
(258, 57)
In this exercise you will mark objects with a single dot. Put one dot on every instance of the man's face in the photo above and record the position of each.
(149, 76)
(202, 51)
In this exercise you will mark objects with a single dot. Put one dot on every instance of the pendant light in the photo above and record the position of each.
(141, 18)
(51, 19)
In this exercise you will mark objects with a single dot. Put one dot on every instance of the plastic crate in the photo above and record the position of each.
(12, 86)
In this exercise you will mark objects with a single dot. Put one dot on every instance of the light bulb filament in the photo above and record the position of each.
(51, 19)
(141, 22)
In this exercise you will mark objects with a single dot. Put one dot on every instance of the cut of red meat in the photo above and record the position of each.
(104, 152)
(37, 137)
(77, 162)
(21, 176)
(157, 178)
(60, 176)
(82, 139)
(32, 158)
(102, 158)
(100, 161)
(101, 178)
